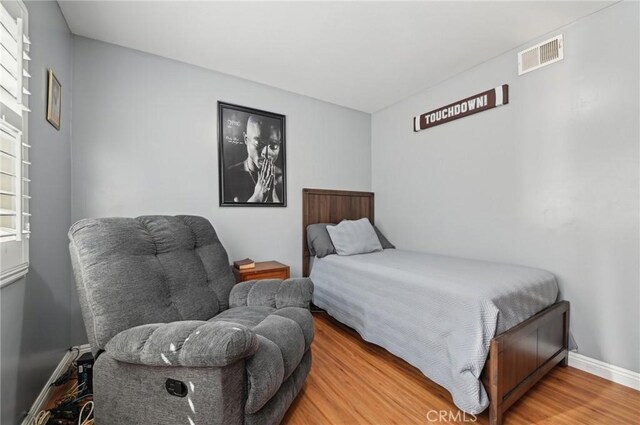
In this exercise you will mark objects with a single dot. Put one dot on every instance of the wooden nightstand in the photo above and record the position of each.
(263, 270)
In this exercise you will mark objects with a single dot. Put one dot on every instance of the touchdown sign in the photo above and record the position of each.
(463, 108)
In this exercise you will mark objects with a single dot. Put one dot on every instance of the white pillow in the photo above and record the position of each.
(352, 237)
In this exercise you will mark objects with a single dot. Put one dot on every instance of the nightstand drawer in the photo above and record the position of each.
(263, 270)
(284, 274)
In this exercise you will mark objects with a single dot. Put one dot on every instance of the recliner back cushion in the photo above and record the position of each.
(151, 269)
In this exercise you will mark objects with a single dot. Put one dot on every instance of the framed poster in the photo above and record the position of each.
(251, 157)
(54, 100)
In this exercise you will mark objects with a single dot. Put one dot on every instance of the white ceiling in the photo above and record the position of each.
(363, 55)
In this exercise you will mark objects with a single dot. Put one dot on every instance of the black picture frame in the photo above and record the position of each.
(249, 140)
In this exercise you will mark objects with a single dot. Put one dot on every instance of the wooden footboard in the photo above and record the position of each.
(519, 357)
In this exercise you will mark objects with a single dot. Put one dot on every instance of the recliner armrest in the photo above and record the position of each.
(274, 293)
(188, 343)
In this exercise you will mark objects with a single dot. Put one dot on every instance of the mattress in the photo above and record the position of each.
(436, 312)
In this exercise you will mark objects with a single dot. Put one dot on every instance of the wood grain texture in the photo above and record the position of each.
(525, 353)
(262, 270)
(332, 206)
(355, 382)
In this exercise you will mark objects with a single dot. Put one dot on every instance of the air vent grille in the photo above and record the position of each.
(540, 55)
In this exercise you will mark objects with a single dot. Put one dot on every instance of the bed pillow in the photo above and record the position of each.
(383, 240)
(352, 237)
(318, 240)
(320, 245)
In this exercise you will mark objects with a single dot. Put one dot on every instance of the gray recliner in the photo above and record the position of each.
(177, 342)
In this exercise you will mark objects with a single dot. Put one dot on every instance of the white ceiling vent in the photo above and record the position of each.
(540, 55)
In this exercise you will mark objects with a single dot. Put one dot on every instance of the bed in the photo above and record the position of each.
(487, 332)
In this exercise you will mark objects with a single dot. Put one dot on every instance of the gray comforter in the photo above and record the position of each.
(437, 313)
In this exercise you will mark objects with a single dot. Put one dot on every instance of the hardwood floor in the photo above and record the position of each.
(354, 382)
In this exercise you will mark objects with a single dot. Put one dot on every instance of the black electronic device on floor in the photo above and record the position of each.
(85, 374)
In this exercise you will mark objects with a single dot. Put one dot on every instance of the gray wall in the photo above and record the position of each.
(36, 310)
(145, 142)
(550, 180)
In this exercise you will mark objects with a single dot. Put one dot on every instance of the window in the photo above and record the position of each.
(14, 146)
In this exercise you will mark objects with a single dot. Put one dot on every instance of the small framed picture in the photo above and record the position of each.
(251, 157)
(54, 100)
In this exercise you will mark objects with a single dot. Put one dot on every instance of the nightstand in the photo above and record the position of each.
(262, 270)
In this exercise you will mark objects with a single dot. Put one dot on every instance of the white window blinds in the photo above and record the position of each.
(13, 58)
(14, 146)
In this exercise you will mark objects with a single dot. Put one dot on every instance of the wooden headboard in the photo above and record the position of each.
(331, 206)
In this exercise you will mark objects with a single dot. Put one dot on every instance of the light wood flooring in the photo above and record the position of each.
(355, 382)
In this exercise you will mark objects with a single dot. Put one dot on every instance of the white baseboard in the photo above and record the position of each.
(605, 370)
(39, 404)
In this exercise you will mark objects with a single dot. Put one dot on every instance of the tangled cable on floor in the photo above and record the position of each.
(68, 408)
(87, 420)
(71, 408)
